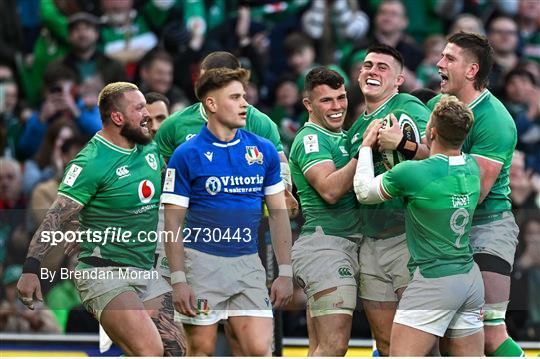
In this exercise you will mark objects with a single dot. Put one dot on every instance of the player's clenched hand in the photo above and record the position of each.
(281, 292)
(371, 133)
(184, 299)
(390, 137)
(27, 286)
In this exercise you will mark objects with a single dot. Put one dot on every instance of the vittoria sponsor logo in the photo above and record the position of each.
(233, 184)
(146, 191)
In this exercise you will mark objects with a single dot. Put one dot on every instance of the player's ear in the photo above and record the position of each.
(117, 118)
(210, 104)
(400, 79)
(307, 104)
(472, 71)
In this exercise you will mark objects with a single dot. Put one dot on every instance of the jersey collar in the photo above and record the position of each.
(479, 99)
(209, 137)
(379, 109)
(324, 130)
(114, 147)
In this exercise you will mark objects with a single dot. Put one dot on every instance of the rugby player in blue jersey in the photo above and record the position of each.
(214, 188)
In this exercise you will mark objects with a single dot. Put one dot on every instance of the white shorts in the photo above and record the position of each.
(498, 238)
(440, 306)
(225, 287)
(321, 262)
(97, 293)
(383, 268)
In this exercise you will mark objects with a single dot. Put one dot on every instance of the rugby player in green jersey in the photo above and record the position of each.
(445, 295)
(383, 252)
(465, 65)
(325, 257)
(113, 186)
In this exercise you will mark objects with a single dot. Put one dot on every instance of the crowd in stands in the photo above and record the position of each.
(56, 55)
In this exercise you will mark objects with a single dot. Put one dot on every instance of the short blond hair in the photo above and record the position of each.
(453, 120)
(111, 95)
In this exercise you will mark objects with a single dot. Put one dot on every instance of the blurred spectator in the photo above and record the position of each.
(125, 33)
(529, 262)
(427, 73)
(60, 102)
(12, 203)
(288, 112)
(525, 185)
(485, 9)
(522, 99)
(158, 107)
(529, 28)
(10, 125)
(300, 52)
(51, 44)
(15, 317)
(351, 24)
(467, 23)
(389, 28)
(48, 162)
(11, 35)
(156, 72)
(503, 37)
(83, 57)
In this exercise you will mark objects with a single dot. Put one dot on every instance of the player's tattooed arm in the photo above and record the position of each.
(172, 335)
(62, 212)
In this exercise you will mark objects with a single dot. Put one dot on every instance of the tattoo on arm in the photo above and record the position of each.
(62, 212)
(172, 334)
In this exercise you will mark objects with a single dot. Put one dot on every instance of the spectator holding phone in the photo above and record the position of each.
(60, 101)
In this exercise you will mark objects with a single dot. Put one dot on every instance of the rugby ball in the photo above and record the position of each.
(409, 128)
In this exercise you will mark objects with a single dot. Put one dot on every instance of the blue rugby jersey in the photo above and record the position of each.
(223, 185)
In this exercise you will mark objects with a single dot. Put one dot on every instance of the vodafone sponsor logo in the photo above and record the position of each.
(146, 191)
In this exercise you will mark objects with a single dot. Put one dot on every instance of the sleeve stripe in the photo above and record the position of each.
(311, 164)
(273, 189)
(71, 198)
(171, 198)
(383, 191)
(487, 158)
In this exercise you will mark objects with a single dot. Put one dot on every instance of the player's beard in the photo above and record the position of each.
(135, 134)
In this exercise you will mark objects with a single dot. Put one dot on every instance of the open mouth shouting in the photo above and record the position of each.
(444, 78)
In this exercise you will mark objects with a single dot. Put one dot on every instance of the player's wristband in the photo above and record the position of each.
(285, 270)
(178, 277)
(31, 265)
(406, 148)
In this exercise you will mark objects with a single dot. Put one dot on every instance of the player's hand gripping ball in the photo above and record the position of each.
(407, 127)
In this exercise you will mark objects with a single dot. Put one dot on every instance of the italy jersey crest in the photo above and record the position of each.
(253, 155)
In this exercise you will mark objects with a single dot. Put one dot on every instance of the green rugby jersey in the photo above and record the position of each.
(314, 144)
(120, 190)
(440, 196)
(493, 136)
(183, 125)
(386, 219)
